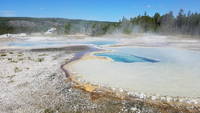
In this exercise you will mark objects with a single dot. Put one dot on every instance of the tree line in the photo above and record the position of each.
(182, 23)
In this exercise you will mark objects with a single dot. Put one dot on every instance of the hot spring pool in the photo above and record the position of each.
(163, 71)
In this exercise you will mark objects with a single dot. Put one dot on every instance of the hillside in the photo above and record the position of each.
(68, 26)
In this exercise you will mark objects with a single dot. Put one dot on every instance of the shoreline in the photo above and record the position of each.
(77, 56)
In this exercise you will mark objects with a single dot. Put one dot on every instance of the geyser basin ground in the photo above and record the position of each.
(175, 72)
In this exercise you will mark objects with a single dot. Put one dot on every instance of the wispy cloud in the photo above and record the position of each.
(148, 6)
(42, 8)
(7, 13)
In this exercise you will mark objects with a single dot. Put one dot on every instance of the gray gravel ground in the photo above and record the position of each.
(32, 81)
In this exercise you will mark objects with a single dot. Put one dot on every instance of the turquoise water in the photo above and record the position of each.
(55, 43)
(163, 55)
(126, 58)
(153, 55)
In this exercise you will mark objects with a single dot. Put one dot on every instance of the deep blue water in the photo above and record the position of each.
(126, 58)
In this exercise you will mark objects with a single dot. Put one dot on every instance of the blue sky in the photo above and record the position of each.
(104, 10)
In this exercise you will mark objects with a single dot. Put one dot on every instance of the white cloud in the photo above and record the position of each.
(7, 13)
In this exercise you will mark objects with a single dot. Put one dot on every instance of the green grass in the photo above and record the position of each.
(3, 54)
